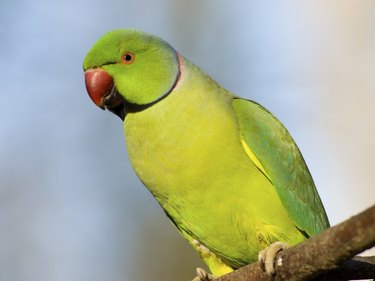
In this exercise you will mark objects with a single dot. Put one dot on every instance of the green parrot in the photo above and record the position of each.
(224, 169)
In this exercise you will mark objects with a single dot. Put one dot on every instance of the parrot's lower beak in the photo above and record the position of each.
(102, 91)
(115, 103)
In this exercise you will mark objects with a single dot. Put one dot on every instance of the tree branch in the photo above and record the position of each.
(327, 256)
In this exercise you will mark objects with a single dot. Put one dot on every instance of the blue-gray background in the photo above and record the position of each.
(71, 207)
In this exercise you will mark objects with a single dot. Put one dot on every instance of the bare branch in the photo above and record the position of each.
(327, 256)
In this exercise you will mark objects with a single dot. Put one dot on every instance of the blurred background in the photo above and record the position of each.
(71, 207)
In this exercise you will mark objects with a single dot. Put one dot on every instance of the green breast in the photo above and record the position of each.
(186, 150)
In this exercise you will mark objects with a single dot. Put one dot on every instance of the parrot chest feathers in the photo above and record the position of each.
(165, 160)
(192, 161)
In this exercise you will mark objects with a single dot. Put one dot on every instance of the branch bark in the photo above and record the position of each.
(327, 256)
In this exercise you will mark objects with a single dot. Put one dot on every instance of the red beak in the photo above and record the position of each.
(98, 85)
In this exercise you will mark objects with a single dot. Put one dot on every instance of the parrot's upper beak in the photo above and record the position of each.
(102, 91)
(98, 85)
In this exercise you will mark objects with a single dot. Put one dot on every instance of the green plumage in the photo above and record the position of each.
(224, 169)
(281, 158)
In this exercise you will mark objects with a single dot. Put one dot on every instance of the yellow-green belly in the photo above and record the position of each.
(192, 160)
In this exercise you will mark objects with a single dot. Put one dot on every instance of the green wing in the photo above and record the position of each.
(283, 164)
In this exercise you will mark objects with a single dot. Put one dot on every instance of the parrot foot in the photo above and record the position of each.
(267, 256)
(203, 275)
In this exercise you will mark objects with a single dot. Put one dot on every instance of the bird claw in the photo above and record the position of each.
(203, 275)
(267, 257)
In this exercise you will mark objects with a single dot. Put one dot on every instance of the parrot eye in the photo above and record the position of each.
(127, 58)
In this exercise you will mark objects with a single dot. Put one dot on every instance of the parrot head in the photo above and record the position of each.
(129, 69)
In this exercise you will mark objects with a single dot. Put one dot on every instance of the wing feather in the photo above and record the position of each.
(282, 162)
